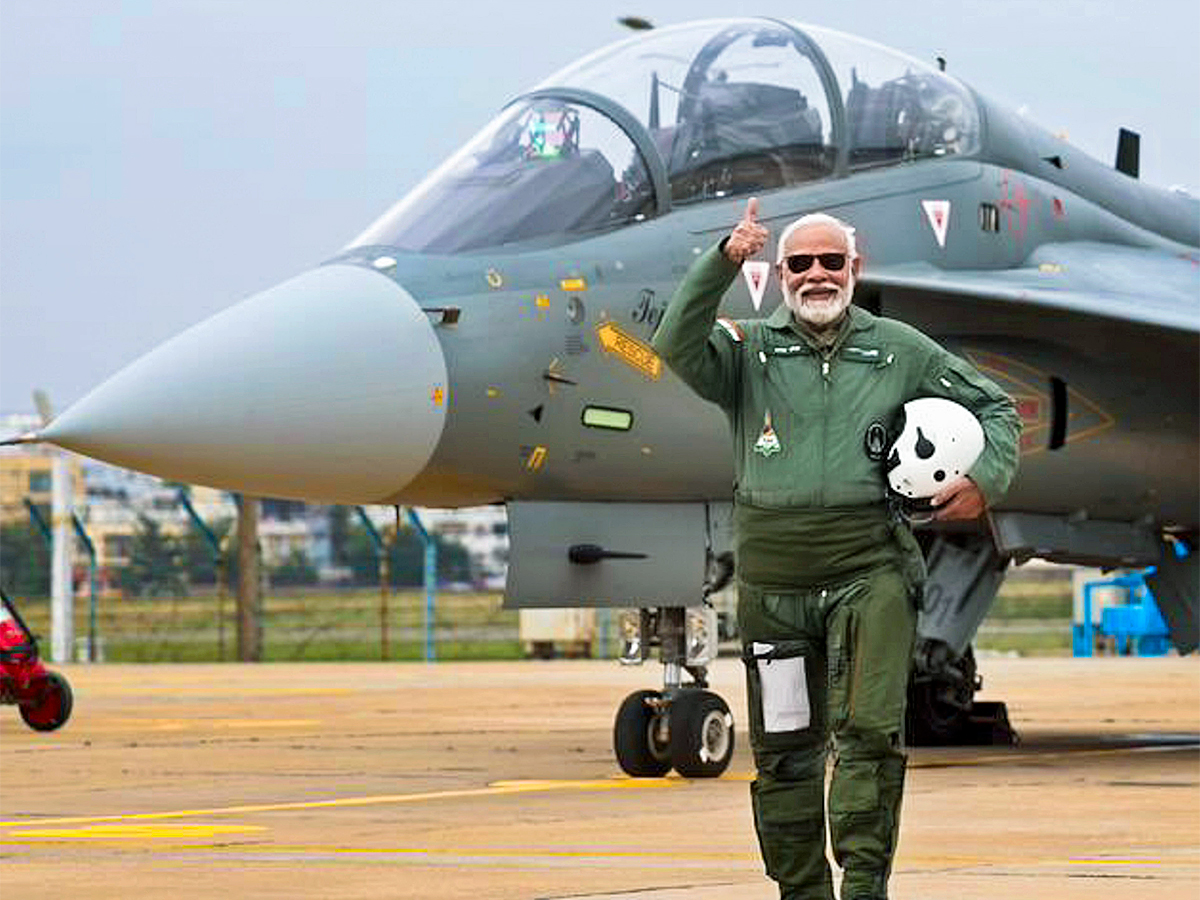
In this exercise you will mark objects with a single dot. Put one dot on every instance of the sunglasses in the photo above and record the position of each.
(802, 262)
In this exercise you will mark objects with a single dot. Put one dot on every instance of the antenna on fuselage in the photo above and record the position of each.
(636, 23)
(1128, 150)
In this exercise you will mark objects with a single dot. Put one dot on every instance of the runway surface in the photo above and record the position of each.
(496, 780)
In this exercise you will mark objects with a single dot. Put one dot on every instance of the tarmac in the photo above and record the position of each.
(471, 781)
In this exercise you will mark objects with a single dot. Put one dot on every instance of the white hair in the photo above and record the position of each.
(819, 219)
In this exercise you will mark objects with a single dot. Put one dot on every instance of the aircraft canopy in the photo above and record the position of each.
(677, 116)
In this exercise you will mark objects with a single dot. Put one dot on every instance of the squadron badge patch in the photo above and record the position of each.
(767, 443)
(875, 441)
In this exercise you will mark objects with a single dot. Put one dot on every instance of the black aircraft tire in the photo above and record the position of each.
(53, 706)
(931, 720)
(701, 734)
(638, 753)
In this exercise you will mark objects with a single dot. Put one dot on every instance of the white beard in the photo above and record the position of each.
(825, 314)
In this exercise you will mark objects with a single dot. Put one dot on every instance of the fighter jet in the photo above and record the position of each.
(488, 341)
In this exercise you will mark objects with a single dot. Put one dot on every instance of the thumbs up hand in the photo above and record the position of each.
(748, 236)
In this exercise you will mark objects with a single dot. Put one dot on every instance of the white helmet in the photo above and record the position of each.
(939, 441)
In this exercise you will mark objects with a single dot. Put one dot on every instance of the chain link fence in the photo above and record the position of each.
(299, 624)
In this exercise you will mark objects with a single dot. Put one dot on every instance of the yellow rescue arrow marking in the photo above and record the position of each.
(630, 350)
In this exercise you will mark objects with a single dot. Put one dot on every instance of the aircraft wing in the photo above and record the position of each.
(1140, 284)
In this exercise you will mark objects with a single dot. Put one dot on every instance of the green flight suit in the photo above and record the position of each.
(829, 579)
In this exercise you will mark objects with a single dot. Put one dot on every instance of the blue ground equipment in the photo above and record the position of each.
(1136, 626)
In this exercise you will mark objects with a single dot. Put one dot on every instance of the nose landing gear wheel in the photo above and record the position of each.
(640, 736)
(701, 734)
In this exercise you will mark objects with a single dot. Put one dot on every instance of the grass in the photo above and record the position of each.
(1036, 596)
(308, 625)
(1031, 616)
(1044, 642)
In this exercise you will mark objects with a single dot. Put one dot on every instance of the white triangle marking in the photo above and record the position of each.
(938, 214)
(757, 272)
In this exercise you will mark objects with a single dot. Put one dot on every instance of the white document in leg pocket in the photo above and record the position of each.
(784, 691)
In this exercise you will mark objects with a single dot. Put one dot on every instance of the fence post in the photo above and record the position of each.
(214, 544)
(430, 581)
(249, 593)
(383, 555)
(92, 578)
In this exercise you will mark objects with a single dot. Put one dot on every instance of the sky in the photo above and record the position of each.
(163, 159)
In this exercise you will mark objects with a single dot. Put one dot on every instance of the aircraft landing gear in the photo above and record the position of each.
(701, 734)
(941, 691)
(965, 572)
(942, 709)
(641, 736)
(684, 726)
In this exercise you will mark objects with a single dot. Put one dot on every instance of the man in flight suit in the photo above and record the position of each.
(829, 576)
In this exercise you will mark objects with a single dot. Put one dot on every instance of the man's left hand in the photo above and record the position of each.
(960, 499)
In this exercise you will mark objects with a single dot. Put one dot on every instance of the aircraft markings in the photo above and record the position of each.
(536, 459)
(756, 272)
(635, 353)
(938, 214)
(1015, 203)
(1085, 418)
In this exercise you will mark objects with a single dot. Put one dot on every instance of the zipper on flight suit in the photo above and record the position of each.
(856, 668)
(825, 382)
(827, 356)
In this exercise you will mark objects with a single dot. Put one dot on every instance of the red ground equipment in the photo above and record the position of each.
(43, 697)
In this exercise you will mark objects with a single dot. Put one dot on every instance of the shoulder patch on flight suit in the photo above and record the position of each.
(732, 329)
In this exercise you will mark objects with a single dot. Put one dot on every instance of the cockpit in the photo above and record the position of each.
(678, 116)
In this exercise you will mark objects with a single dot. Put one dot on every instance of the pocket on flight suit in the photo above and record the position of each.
(843, 657)
(912, 563)
(870, 652)
(855, 789)
(781, 707)
(783, 686)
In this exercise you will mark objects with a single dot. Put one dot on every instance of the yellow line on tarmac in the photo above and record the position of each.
(109, 832)
(1100, 861)
(498, 788)
(504, 852)
(1033, 754)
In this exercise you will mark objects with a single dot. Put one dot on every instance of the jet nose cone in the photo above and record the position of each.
(327, 387)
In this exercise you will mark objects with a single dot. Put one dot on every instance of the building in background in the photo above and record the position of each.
(25, 472)
(112, 502)
(482, 530)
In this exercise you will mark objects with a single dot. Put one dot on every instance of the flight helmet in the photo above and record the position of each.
(938, 441)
